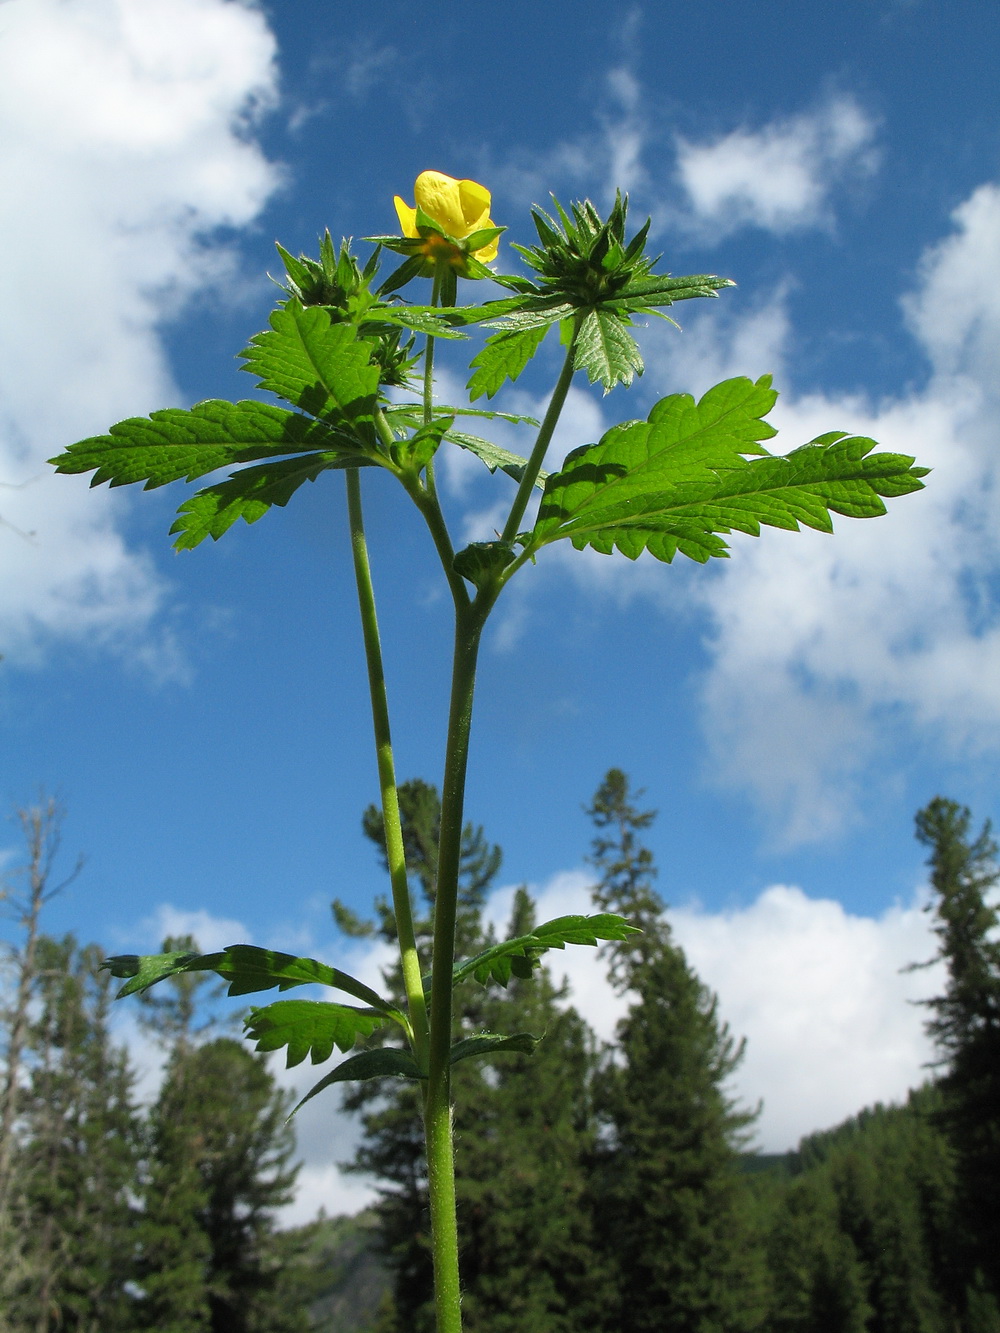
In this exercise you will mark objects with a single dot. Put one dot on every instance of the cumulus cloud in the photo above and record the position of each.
(821, 995)
(126, 127)
(780, 177)
(824, 648)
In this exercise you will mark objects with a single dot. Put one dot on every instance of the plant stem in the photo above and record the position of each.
(545, 432)
(395, 856)
(437, 1108)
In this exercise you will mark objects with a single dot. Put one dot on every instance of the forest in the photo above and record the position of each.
(606, 1188)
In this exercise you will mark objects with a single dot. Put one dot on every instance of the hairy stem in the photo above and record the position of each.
(437, 1110)
(545, 432)
(394, 852)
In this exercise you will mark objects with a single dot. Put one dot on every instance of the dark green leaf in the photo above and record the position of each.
(518, 956)
(519, 1043)
(481, 562)
(503, 358)
(309, 1027)
(493, 456)
(387, 1062)
(421, 319)
(317, 365)
(606, 350)
(248, 495)
(176, 443)
(247, 969)
(417, 451)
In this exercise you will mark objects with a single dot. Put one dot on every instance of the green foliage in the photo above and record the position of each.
(247, 968)
(965, 1024)
(388, 1062)
(518, 957)
(309, 1027)
(677, 480)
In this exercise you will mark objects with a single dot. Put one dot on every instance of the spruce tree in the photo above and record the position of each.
(80, 1152)
(669, 1195)
(219, 1167)
(965, 1025)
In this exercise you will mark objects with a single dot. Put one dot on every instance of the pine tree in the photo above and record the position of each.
(966, 1027)
(80, 1151)
(219, 1167)
(669, 1193)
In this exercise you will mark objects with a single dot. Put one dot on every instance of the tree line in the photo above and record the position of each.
(610, 1190)
(602, 1188)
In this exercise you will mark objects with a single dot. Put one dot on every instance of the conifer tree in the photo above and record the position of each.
(80, 1152)
(965, 1024)
(219, 1167)
(669, 1194)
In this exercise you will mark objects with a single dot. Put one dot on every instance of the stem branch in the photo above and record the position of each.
(395, 855)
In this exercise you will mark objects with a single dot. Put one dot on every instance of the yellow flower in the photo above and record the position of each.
(458, 207)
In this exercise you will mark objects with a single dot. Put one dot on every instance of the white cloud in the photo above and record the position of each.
(780, 177)
(819, 994)
(825, 650)
(126, 132)
(210, 932)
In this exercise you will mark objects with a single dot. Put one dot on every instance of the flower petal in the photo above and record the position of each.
(438, 195)
(407, 217)
(475, 203)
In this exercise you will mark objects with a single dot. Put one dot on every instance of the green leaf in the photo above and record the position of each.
(419, 319)
(503, 358)
(606, 350)
(678, 480)
(249, 494)
(493, 456)
(519, 956)
(417, 451)
(178, 443)
(482, 562)
(309, 1027)
(247, 969)
(319, 366)
(387, 1062)
(520, 1043)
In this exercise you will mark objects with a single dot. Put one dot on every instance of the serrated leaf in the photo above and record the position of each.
(677, 481)
(247, 968)
(309, 1027)
(417, 451)
(519, 956)
(486, 1043)
(503, 358)
(184, 443)
(249, 494)
(493, 456)
(419, 319)
(321, 367)
(606, 350)
(386, 1062)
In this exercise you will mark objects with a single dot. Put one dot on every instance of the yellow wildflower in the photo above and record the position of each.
(458, 207)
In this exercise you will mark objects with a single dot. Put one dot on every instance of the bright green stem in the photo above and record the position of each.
(437, 1106)
(394, 853)
(429, 352)
(545, 432)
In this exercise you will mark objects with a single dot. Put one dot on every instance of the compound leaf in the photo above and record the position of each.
(249, 494)
(519, 956)
(493, 455)
(321, 367)
(309, 1027)
(180, 443)
(675, 482)
(247, 969)
(503, 358)
(519, 1043)
(386, 1062)
(606, 350)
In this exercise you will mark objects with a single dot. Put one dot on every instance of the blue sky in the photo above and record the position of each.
(787, 711)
